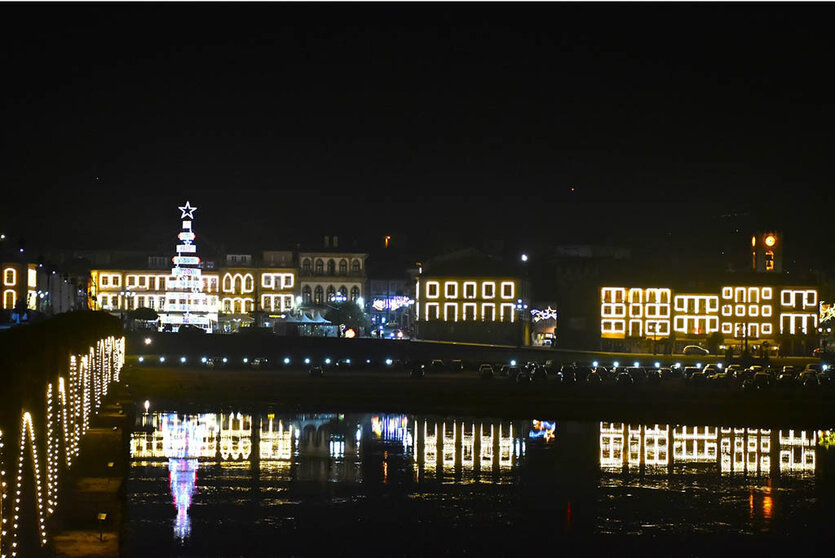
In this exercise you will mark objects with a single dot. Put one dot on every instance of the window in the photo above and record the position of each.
(507, 289)
(488, 312)
(469, 309)
(451, 289)
(451, 312)
(9, 299)
(355, 266)
(249, 283)
(105, 280)
(306, 265)
(227, 283)
(488, 289)
(343, 292)
(306, 295)
(320, 266)
(238, 283)
(469, 289)
(331, 267)
(267, 280)
(318, 294)
(432, 310)
(355, 293)
(131, 280)
(287, 281)
(432, 288)
(343, 267)
(507, 312)
(331, 292)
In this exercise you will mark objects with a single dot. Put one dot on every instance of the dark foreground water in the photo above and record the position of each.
(228, 484)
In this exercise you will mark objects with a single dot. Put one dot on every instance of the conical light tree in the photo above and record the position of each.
(185, 301)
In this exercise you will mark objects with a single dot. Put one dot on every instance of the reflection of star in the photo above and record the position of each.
(187, 211)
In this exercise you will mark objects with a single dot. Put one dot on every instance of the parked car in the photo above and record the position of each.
(785, 381)
(437, 365)
(418, 371)
(652, 376)
(485, 371)
(695, 350)
(315, 371)
(539, 372)
(624, 378)
(523, 376)
(639, 375)
(809, 381)
(511, 372)
(689, 371)
(456, 366)
(760, 381)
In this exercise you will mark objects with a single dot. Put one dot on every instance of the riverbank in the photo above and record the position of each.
(185, 389)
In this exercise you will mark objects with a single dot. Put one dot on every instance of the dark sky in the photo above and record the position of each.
(287, 121)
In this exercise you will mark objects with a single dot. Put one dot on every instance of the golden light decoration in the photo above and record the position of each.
(770, 240)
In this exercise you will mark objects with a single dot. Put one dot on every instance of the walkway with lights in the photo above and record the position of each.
(92, 516)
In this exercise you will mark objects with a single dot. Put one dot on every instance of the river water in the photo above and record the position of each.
(272, 484)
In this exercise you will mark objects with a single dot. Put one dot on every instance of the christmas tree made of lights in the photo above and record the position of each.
(185, 301)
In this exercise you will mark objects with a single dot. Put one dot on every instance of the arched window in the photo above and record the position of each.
(320, 266)
(317, 295)
(227, 283)
(355, 266)
(9, 299)
(355, 293)
(306, 265)
(331, 292)
(239, 306)
(343, 292)
(238, 283)
(10, 277)
(331, 267)
(343, 267)
(306, 294)
(249, 283)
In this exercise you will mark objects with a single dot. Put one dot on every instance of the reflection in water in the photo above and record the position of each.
(609, 478)
(748, 451)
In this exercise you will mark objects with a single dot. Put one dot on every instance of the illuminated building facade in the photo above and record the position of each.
(330, 275)
(36, 287)
(471, 298)
(740, 314)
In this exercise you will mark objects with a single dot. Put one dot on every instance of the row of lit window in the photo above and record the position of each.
(752, 295)
(319, 266)
(277, 303)
(318, 294)
(468, 311)
(470, 289)
(789, 323)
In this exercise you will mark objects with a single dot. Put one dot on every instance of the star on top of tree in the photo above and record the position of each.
(187, 210)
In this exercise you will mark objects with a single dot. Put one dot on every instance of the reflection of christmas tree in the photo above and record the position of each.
(182, 479)
(185, 301)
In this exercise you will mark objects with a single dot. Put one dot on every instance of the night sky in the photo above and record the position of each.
(555, 123)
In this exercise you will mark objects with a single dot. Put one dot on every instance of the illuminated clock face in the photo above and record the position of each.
(770, 240)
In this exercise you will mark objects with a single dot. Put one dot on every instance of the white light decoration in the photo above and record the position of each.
(185, 299)
(547, 314)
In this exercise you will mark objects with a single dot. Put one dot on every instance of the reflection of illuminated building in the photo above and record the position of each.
(797, 451)
(275, 440)
(472, 449)
(637, 446)
(744, 451)
(695, 444)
